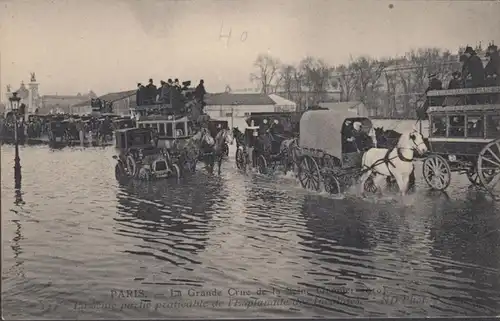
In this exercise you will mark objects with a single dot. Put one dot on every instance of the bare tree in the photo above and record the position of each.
(286, 79)
(368, 72)
(317, 77)
(346, 80)
(268, 67)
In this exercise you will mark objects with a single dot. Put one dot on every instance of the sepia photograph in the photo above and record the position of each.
(187, 159)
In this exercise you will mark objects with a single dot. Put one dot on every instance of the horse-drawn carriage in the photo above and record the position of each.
(268, 142)
(123, 122)
(214, 127)
(140, 157)
(336, 151)
(463, 138)
(58, 127)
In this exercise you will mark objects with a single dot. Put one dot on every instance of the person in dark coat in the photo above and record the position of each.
(456, 81)
(434, 84)
(139, 95)
(151, 92)
(199, 92)
(492, 71)
(473, 74)
(160, 88)
(473, 68)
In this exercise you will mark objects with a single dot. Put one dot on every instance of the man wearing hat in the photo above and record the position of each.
(492, 71)
(456, 81)
(151, 92)
(139, 95)
(434, 84)
(472, 69)
(359, 139)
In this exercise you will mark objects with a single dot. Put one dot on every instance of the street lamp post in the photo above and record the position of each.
(14, 104)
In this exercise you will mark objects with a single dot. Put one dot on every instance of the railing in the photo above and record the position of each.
(464, 91)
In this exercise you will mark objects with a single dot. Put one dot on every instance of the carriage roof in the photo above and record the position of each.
(322, 129)
(271, 116)
(172, 118)
(125, 137)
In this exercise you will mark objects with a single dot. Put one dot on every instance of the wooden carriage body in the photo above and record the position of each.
(324, 133)
(458, 130)
(464, 136)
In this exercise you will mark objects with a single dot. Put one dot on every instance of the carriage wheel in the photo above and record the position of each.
(131, 166)
(473, 176)
(488, 165)
(176, 171)
(437, 172)
(332, 185)
(144, 174)
(309, 175)
(241, 162)
(262, 164)
(369, 185)
(295, 153)
(120, 172)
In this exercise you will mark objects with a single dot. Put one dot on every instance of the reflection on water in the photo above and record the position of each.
(167, 215)
(73, 235)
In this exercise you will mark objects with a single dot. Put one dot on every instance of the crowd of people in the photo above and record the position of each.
(169, 92)
(473, 75)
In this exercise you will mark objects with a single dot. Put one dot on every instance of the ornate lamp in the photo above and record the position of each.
(14, 102)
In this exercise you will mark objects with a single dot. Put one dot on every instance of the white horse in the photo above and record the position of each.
(396, 162)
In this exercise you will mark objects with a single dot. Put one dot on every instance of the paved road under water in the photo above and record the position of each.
(80, 245)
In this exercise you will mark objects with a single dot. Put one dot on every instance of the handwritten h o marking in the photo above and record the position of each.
(243, 36)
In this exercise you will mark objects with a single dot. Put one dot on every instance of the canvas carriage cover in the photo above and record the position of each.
(322, 129)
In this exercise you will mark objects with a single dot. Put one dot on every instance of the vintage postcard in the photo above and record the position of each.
(238, 159)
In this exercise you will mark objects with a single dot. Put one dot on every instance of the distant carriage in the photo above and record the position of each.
(173, 133)
(464, 138)
(140, 158)
(214, 127)
(58, 127)
(266, 142)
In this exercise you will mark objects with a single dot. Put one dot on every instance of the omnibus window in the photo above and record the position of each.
(475, 126)
(438, 126)
(457, 126)
(179, 128)
(492, 126)
(162, 128)
(141, 125)
(147, 125)
(170, 131)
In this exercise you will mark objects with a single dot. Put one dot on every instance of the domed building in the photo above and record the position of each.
(47, 103)
(29, 95)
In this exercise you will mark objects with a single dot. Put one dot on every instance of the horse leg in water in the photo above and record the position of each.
(362, 181)
(219, 160)
(402, 181)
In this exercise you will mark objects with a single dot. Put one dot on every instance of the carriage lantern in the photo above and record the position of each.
(14, 102)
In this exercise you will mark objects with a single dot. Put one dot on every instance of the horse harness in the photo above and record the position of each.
(386, 160)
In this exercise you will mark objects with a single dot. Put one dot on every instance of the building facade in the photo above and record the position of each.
(45, 104)
(122, 102)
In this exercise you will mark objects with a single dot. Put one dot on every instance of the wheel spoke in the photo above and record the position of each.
(491, 161)
(494, 181)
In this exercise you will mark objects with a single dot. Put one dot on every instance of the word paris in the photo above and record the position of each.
(243, 36)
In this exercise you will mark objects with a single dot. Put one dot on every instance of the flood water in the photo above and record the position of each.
(76, 244)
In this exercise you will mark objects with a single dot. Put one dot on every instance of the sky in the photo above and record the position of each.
(110, 45)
